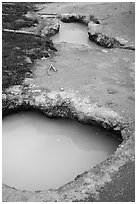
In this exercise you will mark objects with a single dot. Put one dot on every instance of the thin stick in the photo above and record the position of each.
(20, 32)
(51, 68)
(54, 14)
(104, 18)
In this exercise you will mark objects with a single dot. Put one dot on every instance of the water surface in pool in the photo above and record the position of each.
(41, 153)
(73, 33)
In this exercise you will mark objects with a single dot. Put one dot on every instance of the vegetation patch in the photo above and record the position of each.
(19, 50)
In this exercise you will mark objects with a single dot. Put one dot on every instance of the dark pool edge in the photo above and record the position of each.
(70, 105)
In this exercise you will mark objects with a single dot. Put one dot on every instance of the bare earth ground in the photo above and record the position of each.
(106, 76)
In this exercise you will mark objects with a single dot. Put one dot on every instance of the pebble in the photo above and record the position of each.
(112, 91)
(17, 48)
(28, 60)
(104, 51)
(43, 58)
(61, 89)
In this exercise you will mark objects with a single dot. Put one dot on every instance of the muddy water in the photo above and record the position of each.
(41, 153)
(73, 33)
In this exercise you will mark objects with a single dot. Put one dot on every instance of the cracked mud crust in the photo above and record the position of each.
(94, 86)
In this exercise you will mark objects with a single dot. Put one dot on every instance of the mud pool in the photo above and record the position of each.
(41, 153)
(73, 33)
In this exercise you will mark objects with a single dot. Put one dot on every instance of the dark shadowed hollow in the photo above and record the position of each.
(41, 153)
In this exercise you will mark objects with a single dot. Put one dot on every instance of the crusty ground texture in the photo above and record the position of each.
(92, 85)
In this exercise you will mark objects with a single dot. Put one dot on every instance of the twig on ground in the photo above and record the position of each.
(51, 68)
(20, 32)
(104, 18)
(47, 14)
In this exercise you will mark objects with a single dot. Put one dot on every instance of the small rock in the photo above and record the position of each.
(104, 51)
(16, 48)
(28, 60)
(28, 75)
(61, 89)
(122, 40)
(112, 91)
(43, 58)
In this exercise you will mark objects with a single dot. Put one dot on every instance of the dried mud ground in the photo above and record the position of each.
(105, 76)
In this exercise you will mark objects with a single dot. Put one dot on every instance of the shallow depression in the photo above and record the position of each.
(73, 33)
(41, 153)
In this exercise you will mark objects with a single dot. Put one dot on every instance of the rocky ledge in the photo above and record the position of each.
(85, 19)
(97, 32)
(100, 35)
